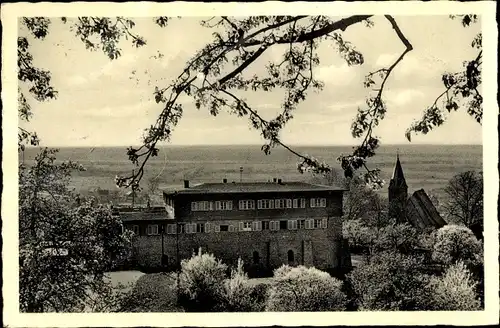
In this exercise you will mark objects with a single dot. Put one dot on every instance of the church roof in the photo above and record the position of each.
(398, 177)
(422, 213)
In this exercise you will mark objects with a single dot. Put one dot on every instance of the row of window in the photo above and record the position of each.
(154, 229)
(222, 205)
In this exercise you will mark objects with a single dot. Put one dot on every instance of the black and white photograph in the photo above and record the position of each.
(202, 159)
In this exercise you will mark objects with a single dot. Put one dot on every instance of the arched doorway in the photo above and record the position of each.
(291, 256)
(164, 260)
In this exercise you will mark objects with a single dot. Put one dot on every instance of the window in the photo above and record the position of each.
(302, 202)
(256, 257)
(231, 228)
(291, 256)
(274, 225)
(256, 226)
(265, 203)
(170, 229)
(318, 202)
(279, 203)
(152, 229)
(292, 224)
(302, 224)
(223, 227)
(191, 228)
(135, 229)
(224, 205)
(200, 227)
(288, 203)
(309, 224)
(317, 223)
(181, 228)
(202, 206)
(245, 226)
(324, 223)
(265, 225)
(208, 227)
(247, 204)
(283, 224)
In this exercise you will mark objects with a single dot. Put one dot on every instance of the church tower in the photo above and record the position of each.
(398, 193)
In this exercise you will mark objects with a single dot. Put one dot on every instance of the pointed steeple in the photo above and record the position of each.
(398, 192)
(398, 177)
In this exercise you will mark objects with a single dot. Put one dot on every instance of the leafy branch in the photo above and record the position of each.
(215, 75)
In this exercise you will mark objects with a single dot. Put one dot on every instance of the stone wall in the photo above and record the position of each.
(311, 247)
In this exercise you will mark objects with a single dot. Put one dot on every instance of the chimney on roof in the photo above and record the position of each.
(274, 180)
(224, 180)
(279, 181)
(186, 183)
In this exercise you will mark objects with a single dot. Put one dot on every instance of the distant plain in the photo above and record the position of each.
(425, 166)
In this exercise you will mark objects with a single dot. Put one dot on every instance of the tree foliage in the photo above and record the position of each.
(239, 293)
(66, 244)
(390, 281)
(218, 73)
(464, 202)
(154, 292)
(360, 201)
(391, 236)
(398, 236)
(455, 290)
(305, 289)
(455, 243)
(201, 283)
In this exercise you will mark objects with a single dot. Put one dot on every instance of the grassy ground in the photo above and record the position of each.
(124, 277)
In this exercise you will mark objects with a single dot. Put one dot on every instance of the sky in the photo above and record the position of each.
(101, 103)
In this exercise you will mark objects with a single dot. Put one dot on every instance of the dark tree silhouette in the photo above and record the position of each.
(465, 198)
(66, 244)
(214, 77)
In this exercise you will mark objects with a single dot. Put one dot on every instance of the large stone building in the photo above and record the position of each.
(418, 210)
(266, 224)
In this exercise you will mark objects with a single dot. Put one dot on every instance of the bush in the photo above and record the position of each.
(389, 281)
(238, 293)
(454, 291)
(282, 271)
(152, 293)
(457, 243)
(259, 296)
(305, 289)
(201, 283)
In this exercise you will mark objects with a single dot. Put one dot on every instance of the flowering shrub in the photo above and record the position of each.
(238, 292)
(455, 290)
(305, 289)
(201, 283)
(389, 281)
(455, 243)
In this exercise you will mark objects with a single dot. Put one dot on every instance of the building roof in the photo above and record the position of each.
(143, 213)
(253, 187)
(424, 213)
(398, 177)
